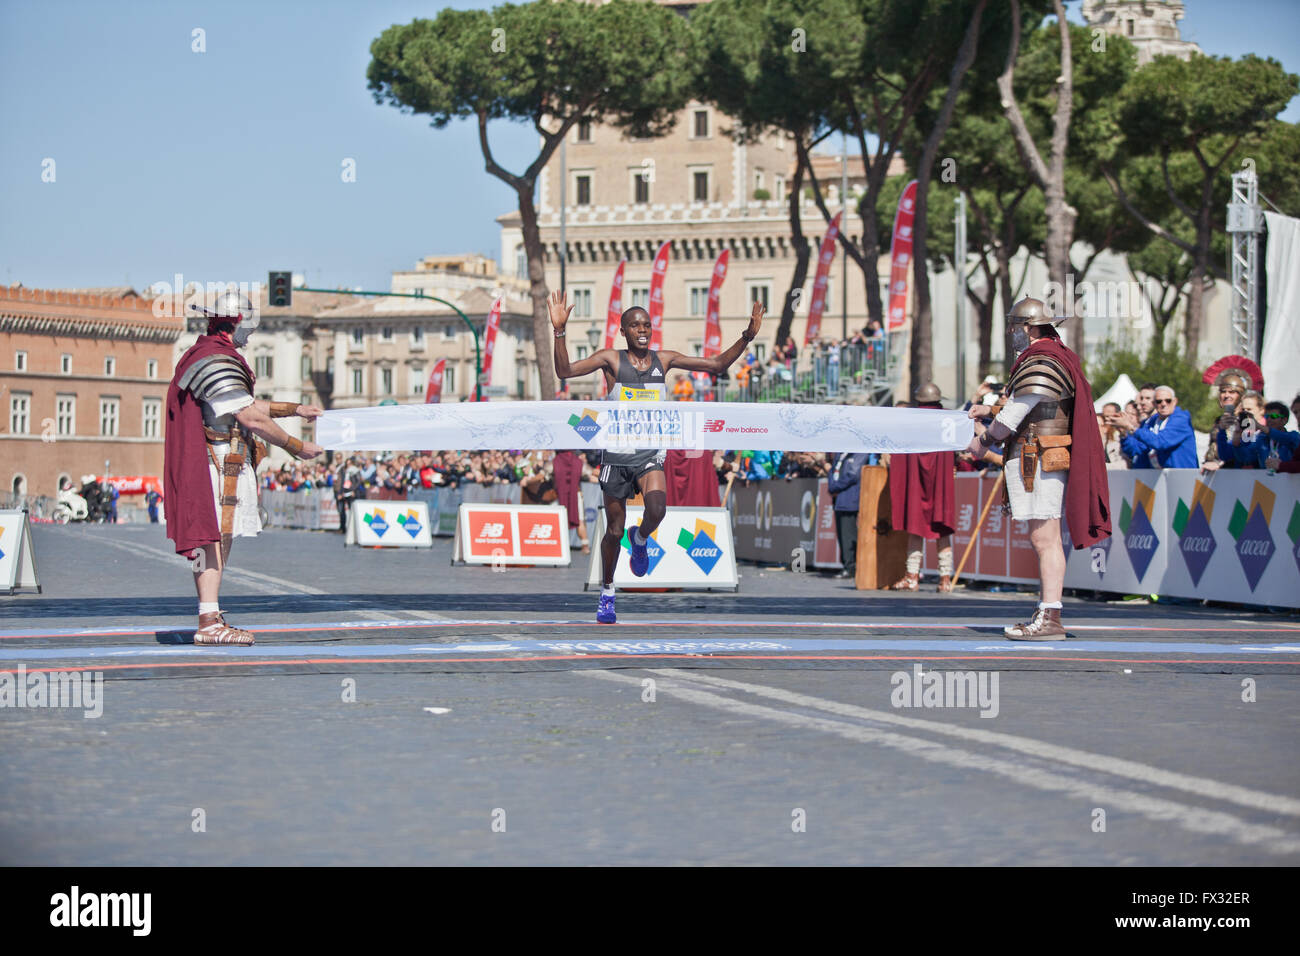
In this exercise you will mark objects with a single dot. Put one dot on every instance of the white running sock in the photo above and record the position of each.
(1050, 605)
(607, 591)
(637, 539)
(914, 562)
(945, 561)
(213, 607)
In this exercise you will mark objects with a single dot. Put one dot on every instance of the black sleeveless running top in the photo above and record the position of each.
(630, 375)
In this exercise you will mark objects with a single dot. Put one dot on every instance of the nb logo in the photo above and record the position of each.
(494, 530)
(540, 532)
(714, 424)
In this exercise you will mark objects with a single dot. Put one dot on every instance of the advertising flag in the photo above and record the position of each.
(901, 258)
(824, 259)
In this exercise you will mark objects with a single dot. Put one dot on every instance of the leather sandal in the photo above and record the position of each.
(213, 629)
(945, 583)
(908, 582)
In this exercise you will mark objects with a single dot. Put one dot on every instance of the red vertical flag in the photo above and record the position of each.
(901, 258)
(612, 317)
(712, 323)
(433, 391)
(490, 340)
(657, 296)
(824, 259)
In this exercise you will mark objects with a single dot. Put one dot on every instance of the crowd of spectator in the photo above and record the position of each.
(1152, 431)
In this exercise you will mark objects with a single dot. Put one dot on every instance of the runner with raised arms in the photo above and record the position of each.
(634, 374)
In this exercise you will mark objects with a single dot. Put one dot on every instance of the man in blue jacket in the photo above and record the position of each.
(844, 484)
(1166, 439)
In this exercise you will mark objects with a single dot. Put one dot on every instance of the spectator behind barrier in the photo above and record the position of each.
(1271, 441)
(1166, 439)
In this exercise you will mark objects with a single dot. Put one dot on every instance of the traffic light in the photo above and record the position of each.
(281, 286)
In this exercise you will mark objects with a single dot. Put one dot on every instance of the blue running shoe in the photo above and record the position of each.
(605, 610)
(639, 557)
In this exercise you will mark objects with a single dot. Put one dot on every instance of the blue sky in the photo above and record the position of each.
(224, 164)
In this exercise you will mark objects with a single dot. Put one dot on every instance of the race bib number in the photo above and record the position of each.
(629, 393)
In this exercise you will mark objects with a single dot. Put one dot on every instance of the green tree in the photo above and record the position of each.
(1160, 365)
(1198, 119)
(547, 63)
(759, 65)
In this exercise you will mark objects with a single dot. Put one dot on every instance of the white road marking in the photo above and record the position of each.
(1196, 819)
(1144, 773)
(255, 578)
(438, 710)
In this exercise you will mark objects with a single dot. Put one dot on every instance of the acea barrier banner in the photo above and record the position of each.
(691, 548)
(627, 425)
(389, 524)
(1225, 536)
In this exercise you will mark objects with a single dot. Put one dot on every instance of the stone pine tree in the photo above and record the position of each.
(966, 17)
(1198, 120)
(778, 66)
(551, 64)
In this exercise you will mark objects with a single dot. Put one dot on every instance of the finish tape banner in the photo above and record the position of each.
(629, 425)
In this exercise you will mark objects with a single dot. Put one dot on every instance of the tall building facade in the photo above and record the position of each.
(1150, 25)
(703, 191)
(83, 386)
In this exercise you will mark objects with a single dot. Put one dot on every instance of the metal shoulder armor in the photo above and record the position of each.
(212, 376)
(1042, 376)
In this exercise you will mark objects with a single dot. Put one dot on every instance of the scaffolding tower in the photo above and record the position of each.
(1245, 223)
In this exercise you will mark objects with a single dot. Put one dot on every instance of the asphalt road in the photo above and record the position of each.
(397, 710)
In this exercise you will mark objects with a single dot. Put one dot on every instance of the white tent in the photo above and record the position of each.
(1121, 393)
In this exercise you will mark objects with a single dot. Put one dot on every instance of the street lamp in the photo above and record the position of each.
(593, 335)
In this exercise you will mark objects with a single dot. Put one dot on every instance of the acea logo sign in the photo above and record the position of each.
(701, 547)
(1249, 528)
(408, 521)
(1135, 524)
(585, 425)
(1192, 525)
(1292, 532)
(376, 520)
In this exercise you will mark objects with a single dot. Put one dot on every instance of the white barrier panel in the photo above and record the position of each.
(1226, 536)
(627, 425)
(511, 534)
(389, 524)
(17, 560)
(691, 548)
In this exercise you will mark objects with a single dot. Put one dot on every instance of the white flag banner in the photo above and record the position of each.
(629, 425)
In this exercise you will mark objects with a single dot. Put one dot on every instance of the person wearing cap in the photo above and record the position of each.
(210, 454)
(1046, 442)
(923, 502)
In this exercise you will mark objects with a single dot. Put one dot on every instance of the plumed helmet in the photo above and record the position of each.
(1030, 312)
(1233, 380)
(929, 392)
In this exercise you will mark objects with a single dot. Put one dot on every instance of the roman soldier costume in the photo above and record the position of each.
(1055, 461)
(209, 463)
(923, 502)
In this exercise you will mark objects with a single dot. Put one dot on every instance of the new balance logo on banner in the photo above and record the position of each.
(714, 424)
(541, 532)
(493, 530)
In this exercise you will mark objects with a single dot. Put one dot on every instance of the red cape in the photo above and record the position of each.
(568, 477)
(187, 483)
(692, 482)
(922, 498)
(1087, 493)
